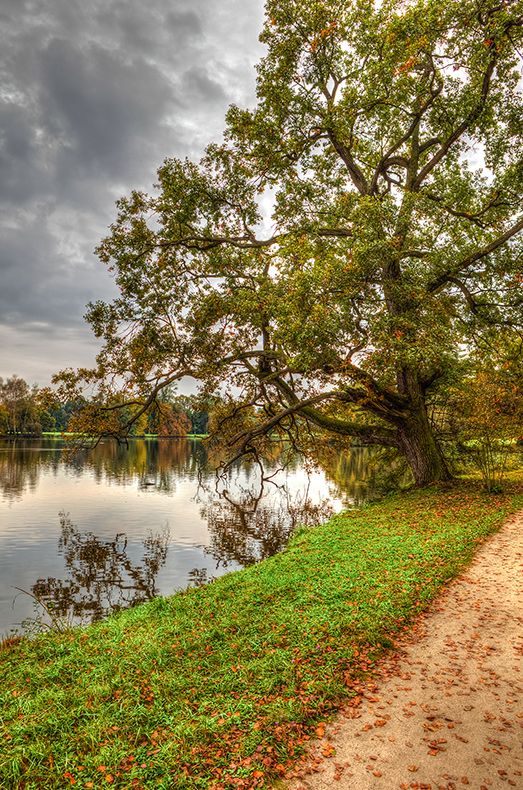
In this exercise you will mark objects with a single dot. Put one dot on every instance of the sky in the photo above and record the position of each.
(94, 95)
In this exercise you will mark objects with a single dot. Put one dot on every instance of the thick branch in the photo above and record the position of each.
(388, 159)
(385, 405)
(393, 399)
(465, 291)
(477, 256)
(356, 174)
(368, 434)
(462, 128)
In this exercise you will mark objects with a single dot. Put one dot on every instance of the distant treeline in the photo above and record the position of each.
(30, 411)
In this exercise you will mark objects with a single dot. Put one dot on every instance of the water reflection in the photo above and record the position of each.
(252, 510)
(85, 569)
(160, 464)
(102, 577)
(20, 462)
(249, 530)
(354, 474)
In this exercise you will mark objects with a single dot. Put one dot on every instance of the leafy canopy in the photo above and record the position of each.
(388, 139)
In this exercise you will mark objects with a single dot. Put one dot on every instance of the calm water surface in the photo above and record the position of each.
(114, 526)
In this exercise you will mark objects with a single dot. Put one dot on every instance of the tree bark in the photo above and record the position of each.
(423, 453)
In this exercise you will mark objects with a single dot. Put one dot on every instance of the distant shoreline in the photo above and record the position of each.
(61, 434)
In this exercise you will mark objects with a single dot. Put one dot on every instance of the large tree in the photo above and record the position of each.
(387, 143)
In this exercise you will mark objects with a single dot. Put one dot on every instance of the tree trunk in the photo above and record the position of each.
(423, 453)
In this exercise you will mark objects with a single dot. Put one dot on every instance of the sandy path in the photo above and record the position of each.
(446, 710)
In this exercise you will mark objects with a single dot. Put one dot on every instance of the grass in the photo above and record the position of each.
(222, 686)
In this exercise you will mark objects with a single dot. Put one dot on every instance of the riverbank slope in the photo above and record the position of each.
(225, 685)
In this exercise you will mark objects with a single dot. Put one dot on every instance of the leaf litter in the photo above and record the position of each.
(463, 663)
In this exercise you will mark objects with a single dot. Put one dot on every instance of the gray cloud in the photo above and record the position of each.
(94, 95)
(100, 108)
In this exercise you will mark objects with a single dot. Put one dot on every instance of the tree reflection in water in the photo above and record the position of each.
(354, 474)
(20, 466)
(161, 463)
(243, 535)
(102, 576)
(244, 527)
(253, 526)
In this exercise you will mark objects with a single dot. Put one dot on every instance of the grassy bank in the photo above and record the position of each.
(223, 685)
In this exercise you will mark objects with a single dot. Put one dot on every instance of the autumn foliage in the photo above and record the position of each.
(388, 142)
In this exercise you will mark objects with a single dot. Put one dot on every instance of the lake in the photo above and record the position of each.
(110, 527)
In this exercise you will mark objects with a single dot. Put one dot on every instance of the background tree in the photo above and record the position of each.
(487, 412)
(391, 242)
(62, 413)
(4, 419)
(196, 411)
(166, 420)
(15, 394)
(23, 408)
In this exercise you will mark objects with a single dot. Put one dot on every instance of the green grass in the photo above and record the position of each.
(222, 686)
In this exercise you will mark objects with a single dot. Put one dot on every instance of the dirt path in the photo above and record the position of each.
(446, 710)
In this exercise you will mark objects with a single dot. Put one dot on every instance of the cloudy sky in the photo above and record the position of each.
(94, 94)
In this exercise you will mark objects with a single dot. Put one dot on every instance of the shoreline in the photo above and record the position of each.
(226, 684)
